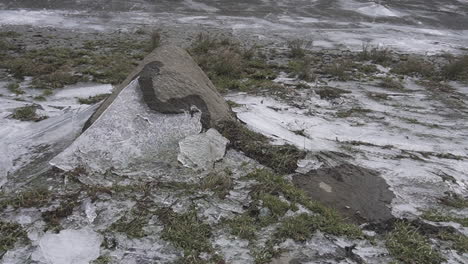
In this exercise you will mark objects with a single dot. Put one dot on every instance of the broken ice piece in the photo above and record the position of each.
(68, 247)
(203, 150)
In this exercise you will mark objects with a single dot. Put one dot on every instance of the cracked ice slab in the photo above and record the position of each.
(128, 135)
(202, 150)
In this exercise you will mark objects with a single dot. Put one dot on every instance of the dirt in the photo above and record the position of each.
(358, 193)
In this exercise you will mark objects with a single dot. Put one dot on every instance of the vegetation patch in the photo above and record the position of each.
(243, 226)
(104, 61)
(302, 68)
(415, 66)
(93, 99)
(231, 66)
(459, 241)
(391, 83)
(133, 222)
(220, 183)
(10, 233)
(27, 113)
(407, 245)
(340, 69)
(456, 69)
(27, 199)
(377, 54)
(352, 111)
(282, 158)
(65, 209)
(296, 48)
(330, 92)
(454, 200)
(15, 88)
(436, 216)
(187, 232)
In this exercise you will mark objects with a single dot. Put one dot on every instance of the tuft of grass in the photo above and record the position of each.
(302, 68)
(55, 80)
(456, 69)
(391, 83)
(352, 111)
(436, 216)
(15, 88)
(187, 232)
(65, 209)
(219, 183)
(277, 206)
(459, 241)
(133, 222)
(331, 92)
(296, 48)
(377, 54)
(415, 66)
(243, 226)
(28, 199)
(340, 69)
(27, 113)
(282, 158)
(407, 245)
(10, 233)
(93, 99)
(9, 34)
(231, 66)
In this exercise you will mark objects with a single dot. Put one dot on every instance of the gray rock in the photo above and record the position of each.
(171, 83)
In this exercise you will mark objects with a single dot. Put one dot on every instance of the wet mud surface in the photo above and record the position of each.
(359, 193)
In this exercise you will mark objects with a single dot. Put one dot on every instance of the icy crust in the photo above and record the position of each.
(129, 136)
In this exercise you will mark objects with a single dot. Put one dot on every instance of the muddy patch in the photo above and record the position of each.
(359, 193)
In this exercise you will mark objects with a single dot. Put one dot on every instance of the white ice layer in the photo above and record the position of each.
(128, 135)
(203, 150)
(68, 247)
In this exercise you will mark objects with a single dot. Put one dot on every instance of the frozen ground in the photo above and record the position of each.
(414, 138)
(414, 26)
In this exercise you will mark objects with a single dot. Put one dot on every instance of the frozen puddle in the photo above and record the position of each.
(412, 140)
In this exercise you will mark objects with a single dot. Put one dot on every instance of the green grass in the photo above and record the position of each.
(302, 68)
(103, 61)
(281, 158)
(352, 112)
(243, 226)
(133, 222)
(330, 92)
(93, 99)
(65, 209)
(436, 216)
(340, 69)
(459, 241)
(230, 66)
(10, 233)
(407, 245)
(15, 88)
(296, 48)
(377, 55)
(188, 232)
(220, 183)
(391, 83)
(415, 66)
(28, 199)
(456, 69)
(27, 113)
